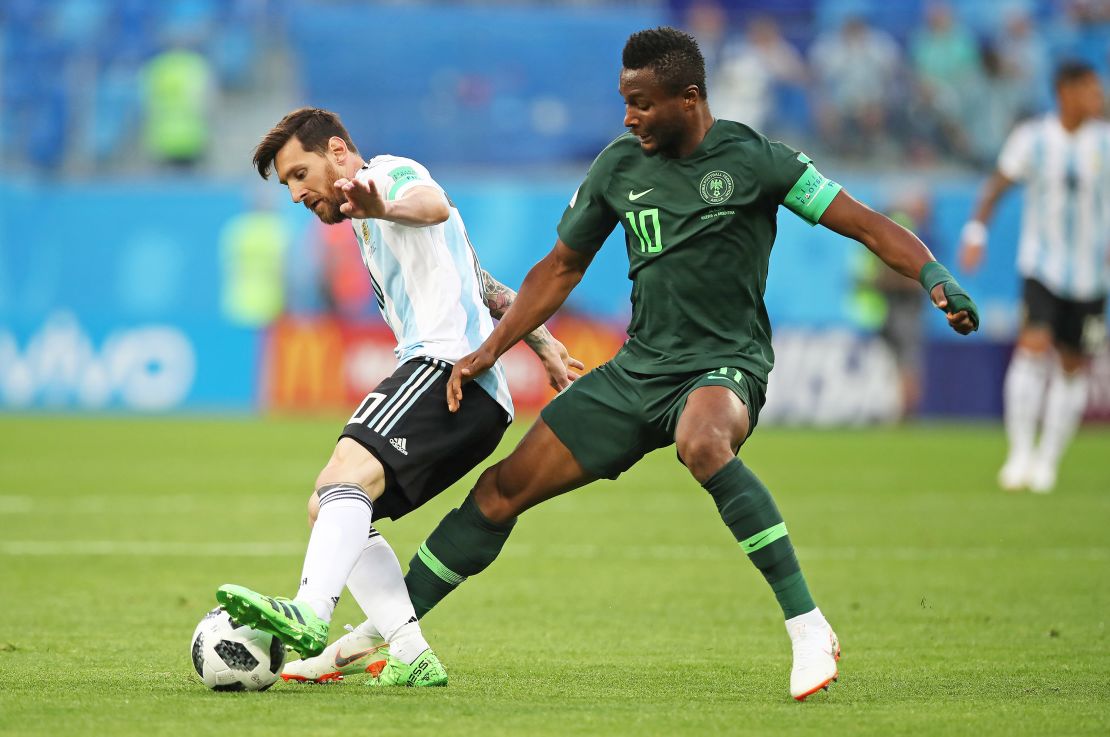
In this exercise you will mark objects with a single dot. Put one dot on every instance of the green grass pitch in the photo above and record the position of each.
(623, 608)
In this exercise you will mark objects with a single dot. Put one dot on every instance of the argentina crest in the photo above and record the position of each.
(716, 187)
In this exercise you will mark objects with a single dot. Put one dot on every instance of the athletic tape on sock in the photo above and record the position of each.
(436, 567)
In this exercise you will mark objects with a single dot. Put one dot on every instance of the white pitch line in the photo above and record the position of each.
(11, 504)
(724, 552)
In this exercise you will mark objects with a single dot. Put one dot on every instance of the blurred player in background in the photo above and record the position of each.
(698, 199)
(1063, 158)
(402, 446)
(902, 303)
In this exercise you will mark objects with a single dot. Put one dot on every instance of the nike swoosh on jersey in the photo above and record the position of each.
(633, 196)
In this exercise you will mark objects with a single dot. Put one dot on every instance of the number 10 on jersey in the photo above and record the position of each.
(648, 232)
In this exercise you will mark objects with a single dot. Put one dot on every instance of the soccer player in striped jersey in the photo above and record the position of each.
(1063, 158)
(402, 446)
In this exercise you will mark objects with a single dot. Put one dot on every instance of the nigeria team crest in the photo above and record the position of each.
(716, 187)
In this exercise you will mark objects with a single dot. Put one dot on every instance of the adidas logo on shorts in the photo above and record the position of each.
(399, 444)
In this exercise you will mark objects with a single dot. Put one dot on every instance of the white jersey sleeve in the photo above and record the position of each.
(396, 176)
(1016, 156)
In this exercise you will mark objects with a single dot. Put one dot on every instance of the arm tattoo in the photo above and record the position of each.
(498, 296)
(498, 299)
(538, 339)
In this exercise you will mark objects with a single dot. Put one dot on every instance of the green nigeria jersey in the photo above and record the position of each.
(699, 232)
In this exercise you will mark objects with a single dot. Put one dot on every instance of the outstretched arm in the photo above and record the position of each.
(419, 207)
(902, 251)
(973, 237)
(543, 291)
(553, 354)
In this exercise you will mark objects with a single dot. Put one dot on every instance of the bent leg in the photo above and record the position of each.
(713, 424)
(343, 502)
(470, 538)
(538, 469)
(375, 579)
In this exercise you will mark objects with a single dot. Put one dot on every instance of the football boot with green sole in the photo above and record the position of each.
(425, 671)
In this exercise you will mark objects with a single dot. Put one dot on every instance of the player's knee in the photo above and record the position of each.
(493, 502)
(704, 454)
(352, 464)
(1035, 340)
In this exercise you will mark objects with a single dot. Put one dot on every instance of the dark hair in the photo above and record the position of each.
(1071, 71)
(672, 55)
(312, 126)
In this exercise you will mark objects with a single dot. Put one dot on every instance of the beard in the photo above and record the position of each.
(327, 209)
(328, 212)
(668, 137)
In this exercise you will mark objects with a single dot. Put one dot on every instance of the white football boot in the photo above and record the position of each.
(1042, 476)
(1014, 474)
(816, 651)
(351, 654)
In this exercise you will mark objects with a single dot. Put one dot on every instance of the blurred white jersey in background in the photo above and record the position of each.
(1065, 228)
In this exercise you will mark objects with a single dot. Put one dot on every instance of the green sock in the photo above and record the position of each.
(463, 544)
(749, 511)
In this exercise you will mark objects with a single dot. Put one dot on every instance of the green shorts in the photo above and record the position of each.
(610, 418)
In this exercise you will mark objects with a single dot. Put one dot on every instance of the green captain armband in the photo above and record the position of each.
(811, 194)
(933, 273)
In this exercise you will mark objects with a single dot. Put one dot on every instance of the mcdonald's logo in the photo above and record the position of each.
(303, 366)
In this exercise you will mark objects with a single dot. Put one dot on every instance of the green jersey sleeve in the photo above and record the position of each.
(588, 219)
(794, 181)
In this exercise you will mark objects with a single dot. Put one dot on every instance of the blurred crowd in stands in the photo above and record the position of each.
(132, 86)
(923, 82)
(123, 85)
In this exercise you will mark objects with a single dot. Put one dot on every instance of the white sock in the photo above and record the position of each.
(1067, 398)
(408, 642)
(811, 619)
(337, 539)
(378, 586)
(1023, 394)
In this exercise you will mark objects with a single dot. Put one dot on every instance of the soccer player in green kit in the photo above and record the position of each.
(698, 199)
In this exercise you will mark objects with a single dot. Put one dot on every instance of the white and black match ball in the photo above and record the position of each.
(233, 657)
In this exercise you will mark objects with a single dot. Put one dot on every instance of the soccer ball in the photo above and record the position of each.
(233, 657)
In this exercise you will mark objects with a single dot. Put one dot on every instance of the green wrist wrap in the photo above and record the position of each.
(933, 273)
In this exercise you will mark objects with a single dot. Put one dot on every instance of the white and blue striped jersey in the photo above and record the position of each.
(1065, 225)
(427, 280)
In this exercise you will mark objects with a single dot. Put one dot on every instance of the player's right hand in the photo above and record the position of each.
(363, 200)
(466, 369)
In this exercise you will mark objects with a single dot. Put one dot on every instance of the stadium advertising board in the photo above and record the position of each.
(149, 318)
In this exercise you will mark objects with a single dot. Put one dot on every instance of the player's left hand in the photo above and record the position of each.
(963, 315)
(363, 198)
(561, 368)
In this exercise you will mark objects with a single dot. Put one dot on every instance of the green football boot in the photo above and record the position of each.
(425, 671)
(292, 622)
